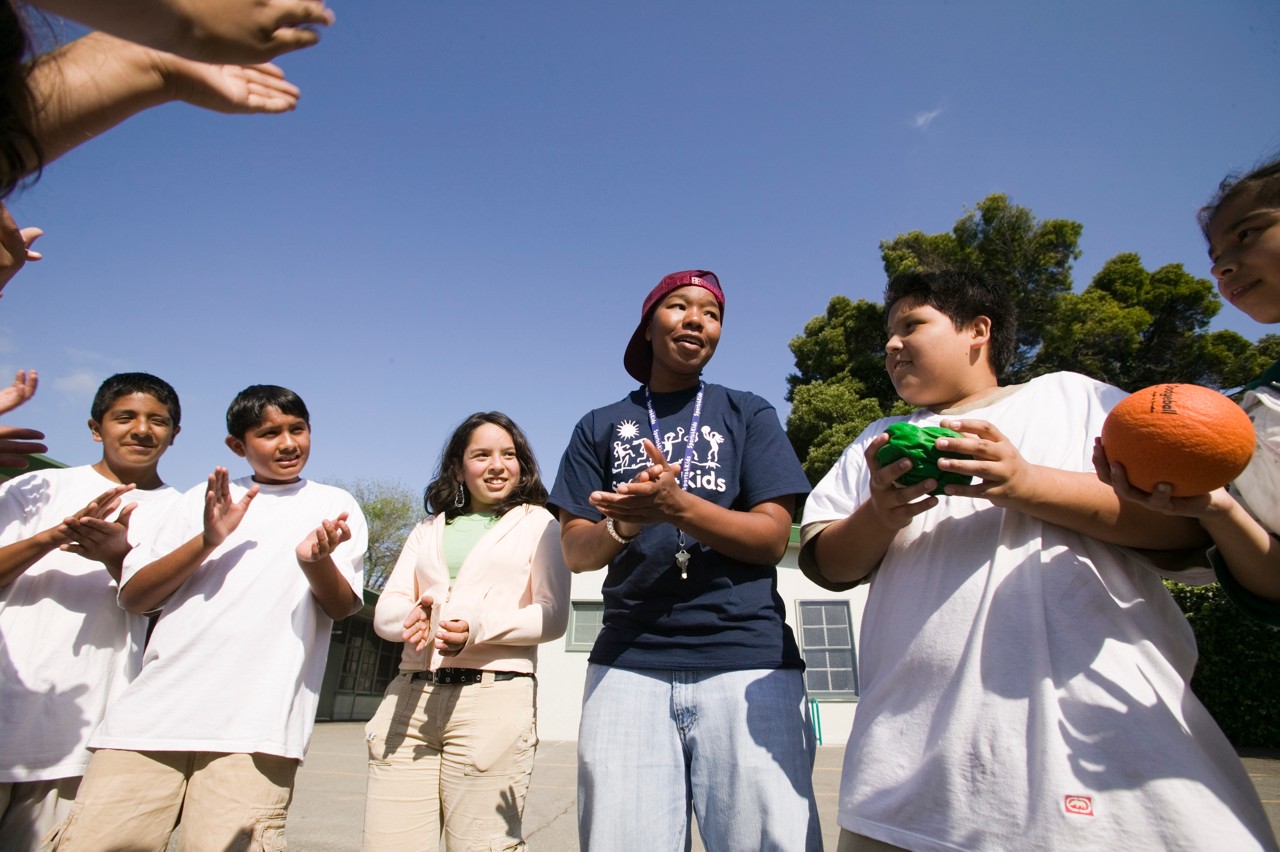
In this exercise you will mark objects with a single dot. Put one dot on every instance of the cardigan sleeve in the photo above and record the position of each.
(400, 594)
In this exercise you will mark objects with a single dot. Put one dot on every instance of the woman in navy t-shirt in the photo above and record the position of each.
(695, 696)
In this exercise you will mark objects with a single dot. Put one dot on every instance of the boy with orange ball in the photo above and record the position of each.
(1242, 226)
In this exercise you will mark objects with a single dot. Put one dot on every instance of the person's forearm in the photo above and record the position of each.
(1251, 553)
(331, 590)
(758, 536)
(85, 88)
(16, 558)
(849, 549)
(587, 545)
(1083, 503)
(154, 583)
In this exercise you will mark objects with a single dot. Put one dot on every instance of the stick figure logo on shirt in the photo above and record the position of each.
(629, 456)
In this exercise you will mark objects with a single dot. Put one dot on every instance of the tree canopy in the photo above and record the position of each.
(1130, 327)
(391, 511)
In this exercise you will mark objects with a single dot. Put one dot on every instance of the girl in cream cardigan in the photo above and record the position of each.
(480, 583)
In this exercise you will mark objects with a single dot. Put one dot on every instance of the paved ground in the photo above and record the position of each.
(329, 800)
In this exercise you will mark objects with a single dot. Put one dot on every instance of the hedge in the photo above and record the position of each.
(1238, 676)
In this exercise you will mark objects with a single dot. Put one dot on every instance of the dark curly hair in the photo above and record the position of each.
(21, 157)
(1261, 186)
(438, 499)
(963, 297)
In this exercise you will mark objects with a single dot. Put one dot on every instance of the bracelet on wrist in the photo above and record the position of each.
(615, 535)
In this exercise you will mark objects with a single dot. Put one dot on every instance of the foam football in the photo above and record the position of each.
(1189, 436)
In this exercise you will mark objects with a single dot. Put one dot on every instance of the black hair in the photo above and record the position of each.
(1260, 186)
(21, 157)
(249, 406)
(963, 297)
(123, 384)
(440, 495)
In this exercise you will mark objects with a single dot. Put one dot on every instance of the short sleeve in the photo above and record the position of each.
(581, 472)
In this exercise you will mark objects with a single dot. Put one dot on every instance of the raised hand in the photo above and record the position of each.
(417, 625)
(101, 540)
(15, 246)
(653, 496)
(232, 89)
(221, 514)
(22, 389)
(324, 539)
(242, 31)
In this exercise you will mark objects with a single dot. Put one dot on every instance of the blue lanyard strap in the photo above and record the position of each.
(686, 468)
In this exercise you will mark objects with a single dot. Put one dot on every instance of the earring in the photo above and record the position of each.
(460, 499)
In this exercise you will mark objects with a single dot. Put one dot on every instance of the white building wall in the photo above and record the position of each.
(561, 672)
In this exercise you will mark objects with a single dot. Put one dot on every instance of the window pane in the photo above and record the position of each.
(826, 643)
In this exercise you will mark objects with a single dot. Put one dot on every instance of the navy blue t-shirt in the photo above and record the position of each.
(727, 614)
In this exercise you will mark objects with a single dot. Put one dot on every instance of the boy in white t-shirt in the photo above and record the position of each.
(1024, 676)
(66, 649)
(249, 576)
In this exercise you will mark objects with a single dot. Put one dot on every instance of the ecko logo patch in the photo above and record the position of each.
(1078, 805)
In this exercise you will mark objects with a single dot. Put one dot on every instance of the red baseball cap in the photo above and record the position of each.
(638, 359)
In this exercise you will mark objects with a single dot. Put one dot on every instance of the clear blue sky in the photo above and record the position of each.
(473, 198)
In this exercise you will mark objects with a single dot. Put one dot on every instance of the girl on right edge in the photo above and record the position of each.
(1242, 226)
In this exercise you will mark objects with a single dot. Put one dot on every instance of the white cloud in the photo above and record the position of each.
(924, 119)
(79, 383)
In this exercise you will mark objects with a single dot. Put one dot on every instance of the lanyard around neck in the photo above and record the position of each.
(686, 468)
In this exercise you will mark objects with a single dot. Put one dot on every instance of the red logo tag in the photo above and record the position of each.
(1079, 805)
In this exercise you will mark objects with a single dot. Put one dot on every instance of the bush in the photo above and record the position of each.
(1236, 677)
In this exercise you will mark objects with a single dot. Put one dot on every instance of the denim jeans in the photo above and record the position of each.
(733, 747)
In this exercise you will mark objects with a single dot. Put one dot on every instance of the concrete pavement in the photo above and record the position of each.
(328, 802)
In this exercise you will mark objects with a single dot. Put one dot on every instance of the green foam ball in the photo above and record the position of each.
(906, 440)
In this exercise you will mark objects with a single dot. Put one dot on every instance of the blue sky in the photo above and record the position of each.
(472, 199)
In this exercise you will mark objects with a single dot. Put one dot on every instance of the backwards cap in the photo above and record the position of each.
(638, 358)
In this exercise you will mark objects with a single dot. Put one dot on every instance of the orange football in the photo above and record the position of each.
(1189, 436)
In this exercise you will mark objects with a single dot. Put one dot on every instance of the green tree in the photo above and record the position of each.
(1135, 328)
(391, 510)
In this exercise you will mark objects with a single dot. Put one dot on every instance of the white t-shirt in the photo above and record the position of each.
(237, 658)
(66, 649)
(1023, 685)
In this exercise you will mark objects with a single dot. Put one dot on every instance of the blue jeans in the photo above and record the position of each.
(733, 747)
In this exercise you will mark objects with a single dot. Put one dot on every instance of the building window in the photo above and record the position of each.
(585, 621)
(369, 662)
(826, 643)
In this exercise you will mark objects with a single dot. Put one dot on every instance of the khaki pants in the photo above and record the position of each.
(31, 809)
(451, 754)
(133, 800)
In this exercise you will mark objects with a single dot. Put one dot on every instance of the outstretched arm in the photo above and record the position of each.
(156, 581)
(1250, 552)
(1076, 500)
(241, 31)
(17, 557)
(17, 443)
(87, 87)
(315, 556)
